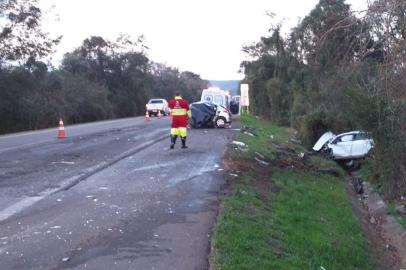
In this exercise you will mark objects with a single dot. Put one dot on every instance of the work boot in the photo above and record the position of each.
(183, 142)
(173, 141)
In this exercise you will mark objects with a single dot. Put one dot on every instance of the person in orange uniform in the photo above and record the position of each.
(180, 114)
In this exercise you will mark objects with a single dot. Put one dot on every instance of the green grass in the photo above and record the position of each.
(392, 210)
(365, 170)
(267, 134)
(286, 219)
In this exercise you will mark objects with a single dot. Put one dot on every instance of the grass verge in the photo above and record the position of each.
(289, 214)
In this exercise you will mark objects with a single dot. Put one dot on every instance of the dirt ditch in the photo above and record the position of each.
(386, 237)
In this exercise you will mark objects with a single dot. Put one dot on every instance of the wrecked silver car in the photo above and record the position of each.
(208, 114)
(349, 145)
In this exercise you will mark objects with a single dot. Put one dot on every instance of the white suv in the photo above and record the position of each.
(156, 105)
(349, 145)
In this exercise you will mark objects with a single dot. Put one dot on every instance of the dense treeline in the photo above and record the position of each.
(94, 82)
(99, 80)
(337, 71)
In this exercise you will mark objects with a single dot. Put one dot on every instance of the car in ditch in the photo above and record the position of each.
(345, 146)
(209, 114)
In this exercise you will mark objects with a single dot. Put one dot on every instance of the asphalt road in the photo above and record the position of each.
(14, 141)
(109, 197)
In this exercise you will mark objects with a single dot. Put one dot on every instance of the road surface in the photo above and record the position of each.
(110, 196)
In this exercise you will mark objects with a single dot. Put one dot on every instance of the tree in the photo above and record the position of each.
(339, 72)
(21, 37)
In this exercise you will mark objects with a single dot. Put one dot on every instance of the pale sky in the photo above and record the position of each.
(202, 36)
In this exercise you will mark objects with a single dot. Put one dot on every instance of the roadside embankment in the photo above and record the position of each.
(285, 209)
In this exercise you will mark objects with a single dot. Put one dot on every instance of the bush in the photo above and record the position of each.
(311, 127)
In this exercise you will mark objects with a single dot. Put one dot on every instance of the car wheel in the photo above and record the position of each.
(220, 122)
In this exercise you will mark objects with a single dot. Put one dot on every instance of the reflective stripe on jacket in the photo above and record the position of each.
(179, 111)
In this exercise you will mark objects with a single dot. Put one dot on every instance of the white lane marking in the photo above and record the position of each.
(18, 207)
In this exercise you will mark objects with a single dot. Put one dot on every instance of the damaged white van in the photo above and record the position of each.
(349, 145)
(217, 96)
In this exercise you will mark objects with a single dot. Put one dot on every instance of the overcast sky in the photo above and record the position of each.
(202, 36)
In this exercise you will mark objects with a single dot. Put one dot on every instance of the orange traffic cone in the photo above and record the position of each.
(147, 116)
(159, 114)
(61, 131)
